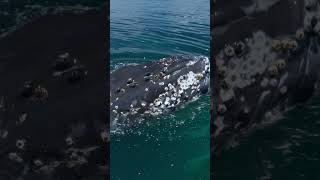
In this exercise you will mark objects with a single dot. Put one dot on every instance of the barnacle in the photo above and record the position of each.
(40, 93)
(300, 34)
(285, 44)
(292, 45)
(222, 72)
(69, 141)
(273, 82)
(38, 162)
(283, 90)
(131, 83)
(20, 143)
(15, 157)
(64, 62)
(273, 70)
(22, 117)
(229, 51)
(276, 45)
(239, 48)
(280, 64)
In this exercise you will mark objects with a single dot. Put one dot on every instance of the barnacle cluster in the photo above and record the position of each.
(174, 86)
(68, 68)
(263, 64)
(34, 92)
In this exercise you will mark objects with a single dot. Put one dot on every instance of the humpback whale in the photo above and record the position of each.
(264, 68)
(153, 88)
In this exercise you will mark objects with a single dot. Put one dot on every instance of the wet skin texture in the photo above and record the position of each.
(153, 88)
(275, 68)
(57, 130)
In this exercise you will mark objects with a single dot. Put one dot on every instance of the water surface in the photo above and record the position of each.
(177, 145)
(288, 149)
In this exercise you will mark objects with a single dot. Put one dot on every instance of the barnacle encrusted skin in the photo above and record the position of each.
(268, 72)
(174, 81)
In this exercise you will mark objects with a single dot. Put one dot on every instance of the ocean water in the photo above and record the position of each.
(172, 146)
(16, 13)
(288, 149)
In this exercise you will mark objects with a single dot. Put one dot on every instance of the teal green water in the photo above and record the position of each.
(15, 12)
(174, 146)
(288, 149)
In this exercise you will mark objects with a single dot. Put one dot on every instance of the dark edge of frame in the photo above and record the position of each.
(212, 80)
(107, 68)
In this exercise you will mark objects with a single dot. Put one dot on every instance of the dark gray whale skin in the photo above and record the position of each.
(154, 79)
(73, 111)
(269, 93)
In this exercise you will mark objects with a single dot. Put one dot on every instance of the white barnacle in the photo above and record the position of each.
(170, 86)
(157, 103)
(161, 83)
(69, 141)
(143, 103)
(273, 82)
(166, 89)
(199, 76)
(146, 89)
(15, 157)
(38, 162)
(116, 107)
(276, 45)
(283, 90)
(229, 51)
(22, 117)
(55, 164)
(64, 55)
(20, 143)
(293, 45)
(285, 44)
(222, 71)
(300, 34)
(281, 64)
(273, 70)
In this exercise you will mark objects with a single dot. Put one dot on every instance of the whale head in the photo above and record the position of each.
(156, 87)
